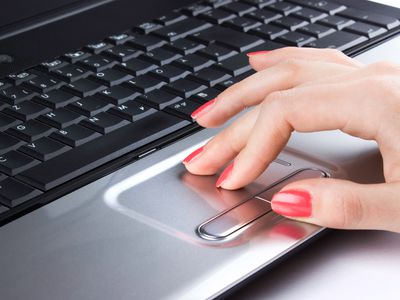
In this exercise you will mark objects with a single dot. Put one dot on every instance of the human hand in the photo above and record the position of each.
(304, 90)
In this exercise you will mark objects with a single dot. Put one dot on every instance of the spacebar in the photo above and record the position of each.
(77, 161)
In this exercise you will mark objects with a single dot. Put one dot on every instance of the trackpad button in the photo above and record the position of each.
(238, 217)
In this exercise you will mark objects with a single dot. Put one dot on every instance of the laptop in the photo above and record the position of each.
(95, 104)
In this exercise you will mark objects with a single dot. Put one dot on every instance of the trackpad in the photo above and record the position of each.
(168, 198)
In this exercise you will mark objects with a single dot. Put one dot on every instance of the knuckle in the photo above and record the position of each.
(292, 67)
(385, 67)
(335, 54)
(350, 210)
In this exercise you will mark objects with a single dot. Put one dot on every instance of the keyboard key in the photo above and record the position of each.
(325, 6)
(184, 88)
(284, 8)
(89, 156)
(43, 83)
(89, 106)
(111, 77)
(30, 131)
(336, 22)
(268, 31)
(145, 42)
(118, 94)
(97, 63)
(13, 162)
(169, 73)
(44, 149)
(104, 122)
(145, 83)
(4, 84)
(3, 209)
(239, 63)
(122, 53)
(61, 118)
(217, 16)
(97, 48)
(55, 99)
(193, 62)
(290, 23)
(75, 135)
(217, 52)
(185, 46)
(239, 8)
(26, 110)
(76, 56)
(8, 143)
(13, 192)
(205, 95)
(160, 56)
(181, 29)
(264, 16)
(260, 3)
(339, 40)
(132, 111)
(195, 9)
(217, 3)
(14, 95)
(316, 30)
(119, 39)
(70, 73)
(52, 65)
(183, 109)
(370, 17)
(136, 66)
(7, 122)
(242, 24)
(170, 18)
(19, 78)
(365, 29)
(159, 99)
(235, 65)
(310, 15)
(228, 37)
(84, 87)
(295, 39)
(209, 76)
(147, 27)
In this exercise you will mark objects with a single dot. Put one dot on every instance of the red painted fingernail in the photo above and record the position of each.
(192, 155)
(202, 109)
(292, 203)
(224, 175)
(257, 53)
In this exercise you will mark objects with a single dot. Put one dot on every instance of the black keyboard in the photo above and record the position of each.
(115, 100)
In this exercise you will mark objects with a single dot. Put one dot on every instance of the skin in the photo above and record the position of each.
(305, 90)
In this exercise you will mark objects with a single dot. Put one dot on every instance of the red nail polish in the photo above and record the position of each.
(193, 155)
(203, 108)
(292, 203)
(224, 175)
(257, 53)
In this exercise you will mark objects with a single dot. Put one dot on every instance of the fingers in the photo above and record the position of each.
(265, 59)
(341, 204)
(312, 108)
(223, 147)
(255, 88)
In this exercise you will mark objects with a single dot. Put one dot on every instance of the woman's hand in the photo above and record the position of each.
(308, 90)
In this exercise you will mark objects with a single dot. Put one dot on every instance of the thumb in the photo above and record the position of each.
(341, 204)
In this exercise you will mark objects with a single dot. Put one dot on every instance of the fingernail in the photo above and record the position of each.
(192, 155)
(202, 109)
(225, 174)
(292, 203)
(257, 53)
